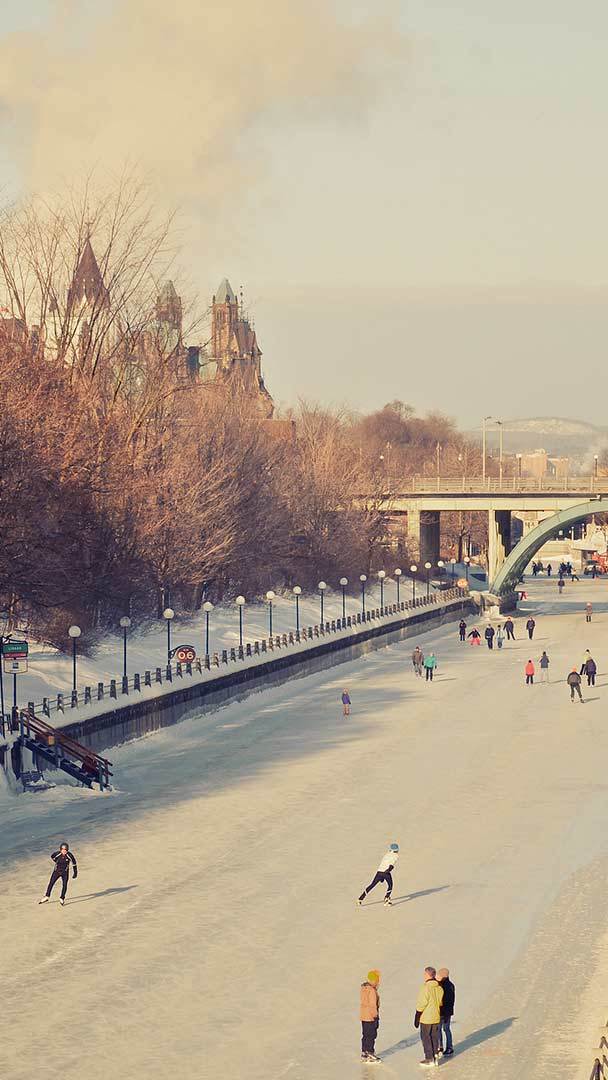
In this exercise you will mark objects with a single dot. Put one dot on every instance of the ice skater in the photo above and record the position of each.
(447, 1012)
(510, 629)
(383, 873)
(346, 703)
(500, 637)
(430, 666)
(370, 1016)
(529, 673)
(475, 636)
(544, 667)
(63, 859)
(418, 660)
(574, 682)
(530, 625)
(462, 630)
(588, 612)
(428, 1017)
(489, 636)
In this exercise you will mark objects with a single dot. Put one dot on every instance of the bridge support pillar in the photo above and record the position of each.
(430, 536)
(413, 533)
(499, 540)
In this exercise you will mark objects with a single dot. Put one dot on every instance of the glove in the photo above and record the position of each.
(75, 875)
(417, 1019)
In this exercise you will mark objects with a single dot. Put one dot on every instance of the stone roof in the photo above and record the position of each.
(87, 282)
(224, 293)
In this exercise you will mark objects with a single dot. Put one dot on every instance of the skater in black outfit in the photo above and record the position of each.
(62, 859)
(384, 873)
(489, 636)
(462, 629)
(509, 629)
(530, 627)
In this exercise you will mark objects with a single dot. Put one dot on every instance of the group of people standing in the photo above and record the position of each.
(504, 632)
(422, 663)
(435, 1005)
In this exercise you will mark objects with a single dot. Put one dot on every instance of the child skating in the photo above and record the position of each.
(370, 1016)
(63, 859)
(383, 873)
(346, 703)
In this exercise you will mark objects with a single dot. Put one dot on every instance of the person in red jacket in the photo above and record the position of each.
(530, 672)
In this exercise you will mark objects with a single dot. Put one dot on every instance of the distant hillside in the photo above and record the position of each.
(559, 436)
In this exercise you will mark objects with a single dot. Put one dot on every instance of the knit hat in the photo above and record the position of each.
(373, 976)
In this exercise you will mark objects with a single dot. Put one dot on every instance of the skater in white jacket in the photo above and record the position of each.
(383, 873)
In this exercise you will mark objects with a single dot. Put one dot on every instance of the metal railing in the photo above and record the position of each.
(168, 673)
(525, 485)
(600, 1065)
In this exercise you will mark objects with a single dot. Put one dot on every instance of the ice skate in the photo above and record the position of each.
(62, 902)
(44, 900)
(388, 901)
(373, 1059)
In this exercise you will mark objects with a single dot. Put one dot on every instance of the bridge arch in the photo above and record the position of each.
(515, 563)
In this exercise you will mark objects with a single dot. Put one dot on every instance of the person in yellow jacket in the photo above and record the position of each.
(370, 1016)
(428, 1017)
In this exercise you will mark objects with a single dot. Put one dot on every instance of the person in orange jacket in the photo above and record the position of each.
(530, 669)
(370, 1016)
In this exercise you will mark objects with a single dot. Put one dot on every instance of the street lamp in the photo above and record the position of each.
(500, 427)
(270, 598)
(427, 567)
(74, 632)
(321, 587)
(297, 592)
(453, 565)
(518, 466)
(125, 622)
(168, 614)
(381, 575)
(398, 573)
(466, 563)
(413, 572)
(484, 421)
(207, 608)
(240, 600)
(595, 463)
(440, 564)
(343, 583)
(363, 579)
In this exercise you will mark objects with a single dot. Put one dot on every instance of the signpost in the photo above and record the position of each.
(183, 654)
(14, 662)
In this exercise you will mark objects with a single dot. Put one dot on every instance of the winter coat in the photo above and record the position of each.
(489, 633)
(62, 862)
(499, 635)
(429, 1002)
(590, 666)
(530, 624)
(449, 998)
(370, 1002)
(346, 699)
(589, 608)
(474, 634)
(530, 668)
(388, 861)
(544, 661)
(509, 624)
(574, 679)
(417, 657)
(430, 661)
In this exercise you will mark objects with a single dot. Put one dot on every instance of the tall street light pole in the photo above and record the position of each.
(343, 584)
(500, 455)
(453, 565)
(207, 608)
(297, 592)
(240, 600)
(467, 562)
(363, 579)
(381, 577)
(322, 587)
(168, 614)
(398, 577)
(483, 447)
(413, 572)
(74, 632)
(427, 567)
(125, 622)
(270, 598)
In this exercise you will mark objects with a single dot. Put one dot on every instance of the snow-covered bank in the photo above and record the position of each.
(217, 886)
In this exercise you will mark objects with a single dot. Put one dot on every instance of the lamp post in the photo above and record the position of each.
(270, 598)
(398, 573)
(363, 579)
(125, 622)
(297, 592)
(483, 447)
(467, 561)
(440, 564)
(207, 608)
(518, 466)
(321, 587)
(74, 632)
(453, 565)
(499, 422)
(413, 572)
(595, 465)
(438, 459)
(381, 577)
(343, 584)
(168, 614)
(240, 600)
(427, 567)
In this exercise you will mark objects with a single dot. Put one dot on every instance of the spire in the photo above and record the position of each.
(224, 294)
(87, 282)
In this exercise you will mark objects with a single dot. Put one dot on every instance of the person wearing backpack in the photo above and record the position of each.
(574, 682)
(590, 671)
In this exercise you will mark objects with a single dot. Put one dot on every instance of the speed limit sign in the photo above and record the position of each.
(184, 654)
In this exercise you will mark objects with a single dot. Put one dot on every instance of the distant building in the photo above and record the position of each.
(537, 464)
(234, 355)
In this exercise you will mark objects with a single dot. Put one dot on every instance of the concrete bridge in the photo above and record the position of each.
(423, 499)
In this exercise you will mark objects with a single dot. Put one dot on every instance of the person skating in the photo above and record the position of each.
(428, 1017)
(63, 859)
(383, 873)
(590, 671)
(560, 585)
(530, 627)
(510, 629)
(475, 636)
(430, 666)
(500, 637)
(544, 667)
(549, 569)
(418, 660)
(588, 612)
(446, 1044)
(489, 636)
(370, 1016)
(530, 673)
(346, 703)
(574, 682)
(586, 657)
(462, 629)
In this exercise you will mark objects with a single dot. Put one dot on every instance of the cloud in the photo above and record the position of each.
(178, 87)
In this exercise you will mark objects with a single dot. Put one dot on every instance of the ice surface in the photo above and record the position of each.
(212, 931)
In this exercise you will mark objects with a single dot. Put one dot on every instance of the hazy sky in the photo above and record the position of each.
(412, 194)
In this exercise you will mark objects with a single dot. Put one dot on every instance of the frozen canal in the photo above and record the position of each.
(212, 931)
